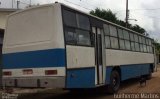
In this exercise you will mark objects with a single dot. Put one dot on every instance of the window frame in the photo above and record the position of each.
(65, 26)
(78, 15)
(68, 43)
(117, 42)
(78, 38)
(111, 36)
(92, 35)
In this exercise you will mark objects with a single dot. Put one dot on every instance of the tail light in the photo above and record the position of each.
(50, 72)
(27, 71)
(7, 73)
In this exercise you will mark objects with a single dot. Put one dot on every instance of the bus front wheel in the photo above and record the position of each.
(114, 85)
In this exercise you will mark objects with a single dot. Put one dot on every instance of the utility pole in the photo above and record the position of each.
(30, 3)
(127, 13)
(12, 3)
(18, 2)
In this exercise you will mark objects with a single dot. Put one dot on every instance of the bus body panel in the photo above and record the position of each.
(80, 67)
(132, 64)
(34, 50)
(81, 78)
(33, 29)
(80, 57)
(35, 59)
(129, 71)
(120, 57)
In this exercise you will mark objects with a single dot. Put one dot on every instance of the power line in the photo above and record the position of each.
(114, 9)
(153, 17)
(145, 9)
(78, 5)
(140, 9)
(89, 4)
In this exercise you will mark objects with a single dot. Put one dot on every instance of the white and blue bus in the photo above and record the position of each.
(58, 46)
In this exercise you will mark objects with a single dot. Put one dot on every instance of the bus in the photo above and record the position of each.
(57, 46)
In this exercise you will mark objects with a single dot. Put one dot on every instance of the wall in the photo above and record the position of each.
(3, 19)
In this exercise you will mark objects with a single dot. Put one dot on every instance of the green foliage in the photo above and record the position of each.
(110, 16)
(138, 29)
(157, 46)
(105, 14)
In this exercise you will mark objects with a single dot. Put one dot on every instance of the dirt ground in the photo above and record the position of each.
(127, 87)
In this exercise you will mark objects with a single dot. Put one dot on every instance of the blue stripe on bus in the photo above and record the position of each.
(132, 71)
(108, 74)
(128, 71)
(34, 59)
(81, 78)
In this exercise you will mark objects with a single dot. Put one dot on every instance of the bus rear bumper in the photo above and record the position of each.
(49, 82)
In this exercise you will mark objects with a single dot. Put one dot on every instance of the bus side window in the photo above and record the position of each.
(70, 36)
(143, 40)
(145, 48)
(114, 42)
(113, 37)
(128, 46)
(107, 37)
(137, 47)
(121, 43)
(107, 42)
(150, 43)
(106, 29)
(136, 38)
(120, 34)
(69, 18)
(141, 48)
(121, 39)
(83, 37)
(132, 41)
(127, 38)
(83, 22)
(133, 46)
(126, 34)
(113, 31)
(140, 39)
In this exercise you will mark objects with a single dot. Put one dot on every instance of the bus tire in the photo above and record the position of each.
(114, 85)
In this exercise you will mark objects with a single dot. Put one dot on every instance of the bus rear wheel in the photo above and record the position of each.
(114, 85)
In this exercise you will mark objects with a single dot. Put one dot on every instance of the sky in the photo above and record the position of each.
(146, 12)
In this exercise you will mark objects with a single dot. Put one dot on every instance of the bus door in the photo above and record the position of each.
(99, 55)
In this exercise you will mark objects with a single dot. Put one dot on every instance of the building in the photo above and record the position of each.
(4, 12)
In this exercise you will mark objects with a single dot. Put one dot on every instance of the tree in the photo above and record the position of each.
(157, 46)
(110, 16)
(104, 14)
(138, 28)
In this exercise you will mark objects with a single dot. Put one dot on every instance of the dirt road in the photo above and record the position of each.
(127, 87)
